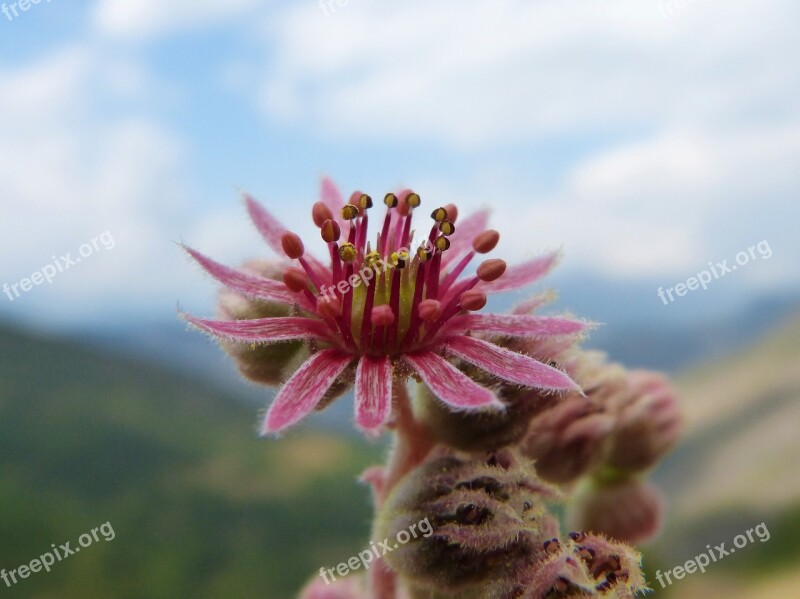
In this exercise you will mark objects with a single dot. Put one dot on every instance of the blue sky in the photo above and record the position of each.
(645, 139)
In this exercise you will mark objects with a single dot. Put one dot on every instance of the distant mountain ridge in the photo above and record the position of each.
(200, 506)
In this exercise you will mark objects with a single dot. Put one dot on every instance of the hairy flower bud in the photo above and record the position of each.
(567, 440)
(629, 510)
(649, 423)
(487, 518)
(580, 565)
(481, 430)
(263, 363)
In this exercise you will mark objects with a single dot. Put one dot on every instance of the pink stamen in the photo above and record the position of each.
(361, 236)
(396, 234)
(366, 320)
(312, 274)
(432, 286)
(336, 262)
(419, 284)
(456, 272)
(385, 232)
(394, 304)
(452, 305)
(347, 307)
(407, 230)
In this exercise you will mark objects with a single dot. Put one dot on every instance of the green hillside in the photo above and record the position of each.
(737, 468)
(200, 506)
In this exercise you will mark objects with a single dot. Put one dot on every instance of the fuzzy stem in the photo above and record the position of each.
(412, 443)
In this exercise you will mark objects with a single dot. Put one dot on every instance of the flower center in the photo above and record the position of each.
(388, 298)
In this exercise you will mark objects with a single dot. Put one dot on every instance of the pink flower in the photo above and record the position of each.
(388, 311)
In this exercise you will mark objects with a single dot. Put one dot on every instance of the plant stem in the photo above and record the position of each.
(412, 443)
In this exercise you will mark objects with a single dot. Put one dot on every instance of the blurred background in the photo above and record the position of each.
(650, 139)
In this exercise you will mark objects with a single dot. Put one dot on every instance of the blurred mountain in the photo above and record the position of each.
(636, 329)
(200, 506)
(737, 468)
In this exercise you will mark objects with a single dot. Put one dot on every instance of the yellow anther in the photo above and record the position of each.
(364, 202)
(439, 215)
(413, 200)
(442, 243)
(372, 258)
(347, 252)
(424, 254)
(390, 200)
(399, 259)
(349, 212)
(447, 228)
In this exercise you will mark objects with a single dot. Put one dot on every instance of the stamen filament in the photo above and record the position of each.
(456, 272)
(394, 304)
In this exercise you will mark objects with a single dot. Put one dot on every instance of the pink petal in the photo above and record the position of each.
(466, 231)
(271, 230)
(523, 325)
(270, 227)
(373, 392)
(331, 197)
(508, 365)
(262, 330)
(522, 274)
(448, 383)
(304, 390)
(534, 303)
(247, 284)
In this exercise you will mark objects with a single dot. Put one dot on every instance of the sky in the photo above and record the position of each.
(646, 138)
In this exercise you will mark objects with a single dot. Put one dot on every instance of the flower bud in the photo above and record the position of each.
(486, 518)
(581, 565)
(269, 364)
(568, 440)
(649, 423)
(481, 430)
(628, 510)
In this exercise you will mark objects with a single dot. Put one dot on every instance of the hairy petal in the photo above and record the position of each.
(304, 390)
(250, 285)
(521, 275)
(508, 365)
(373, 392)
(534, 303)
(448, 383)
(262, 330)
(516, 325)
(270, 227)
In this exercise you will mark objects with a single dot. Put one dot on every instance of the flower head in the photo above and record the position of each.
(380, 310)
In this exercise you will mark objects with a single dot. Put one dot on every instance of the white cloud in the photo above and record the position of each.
(693, 119)
(147, 18)
(69, 173)
(473, 72)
